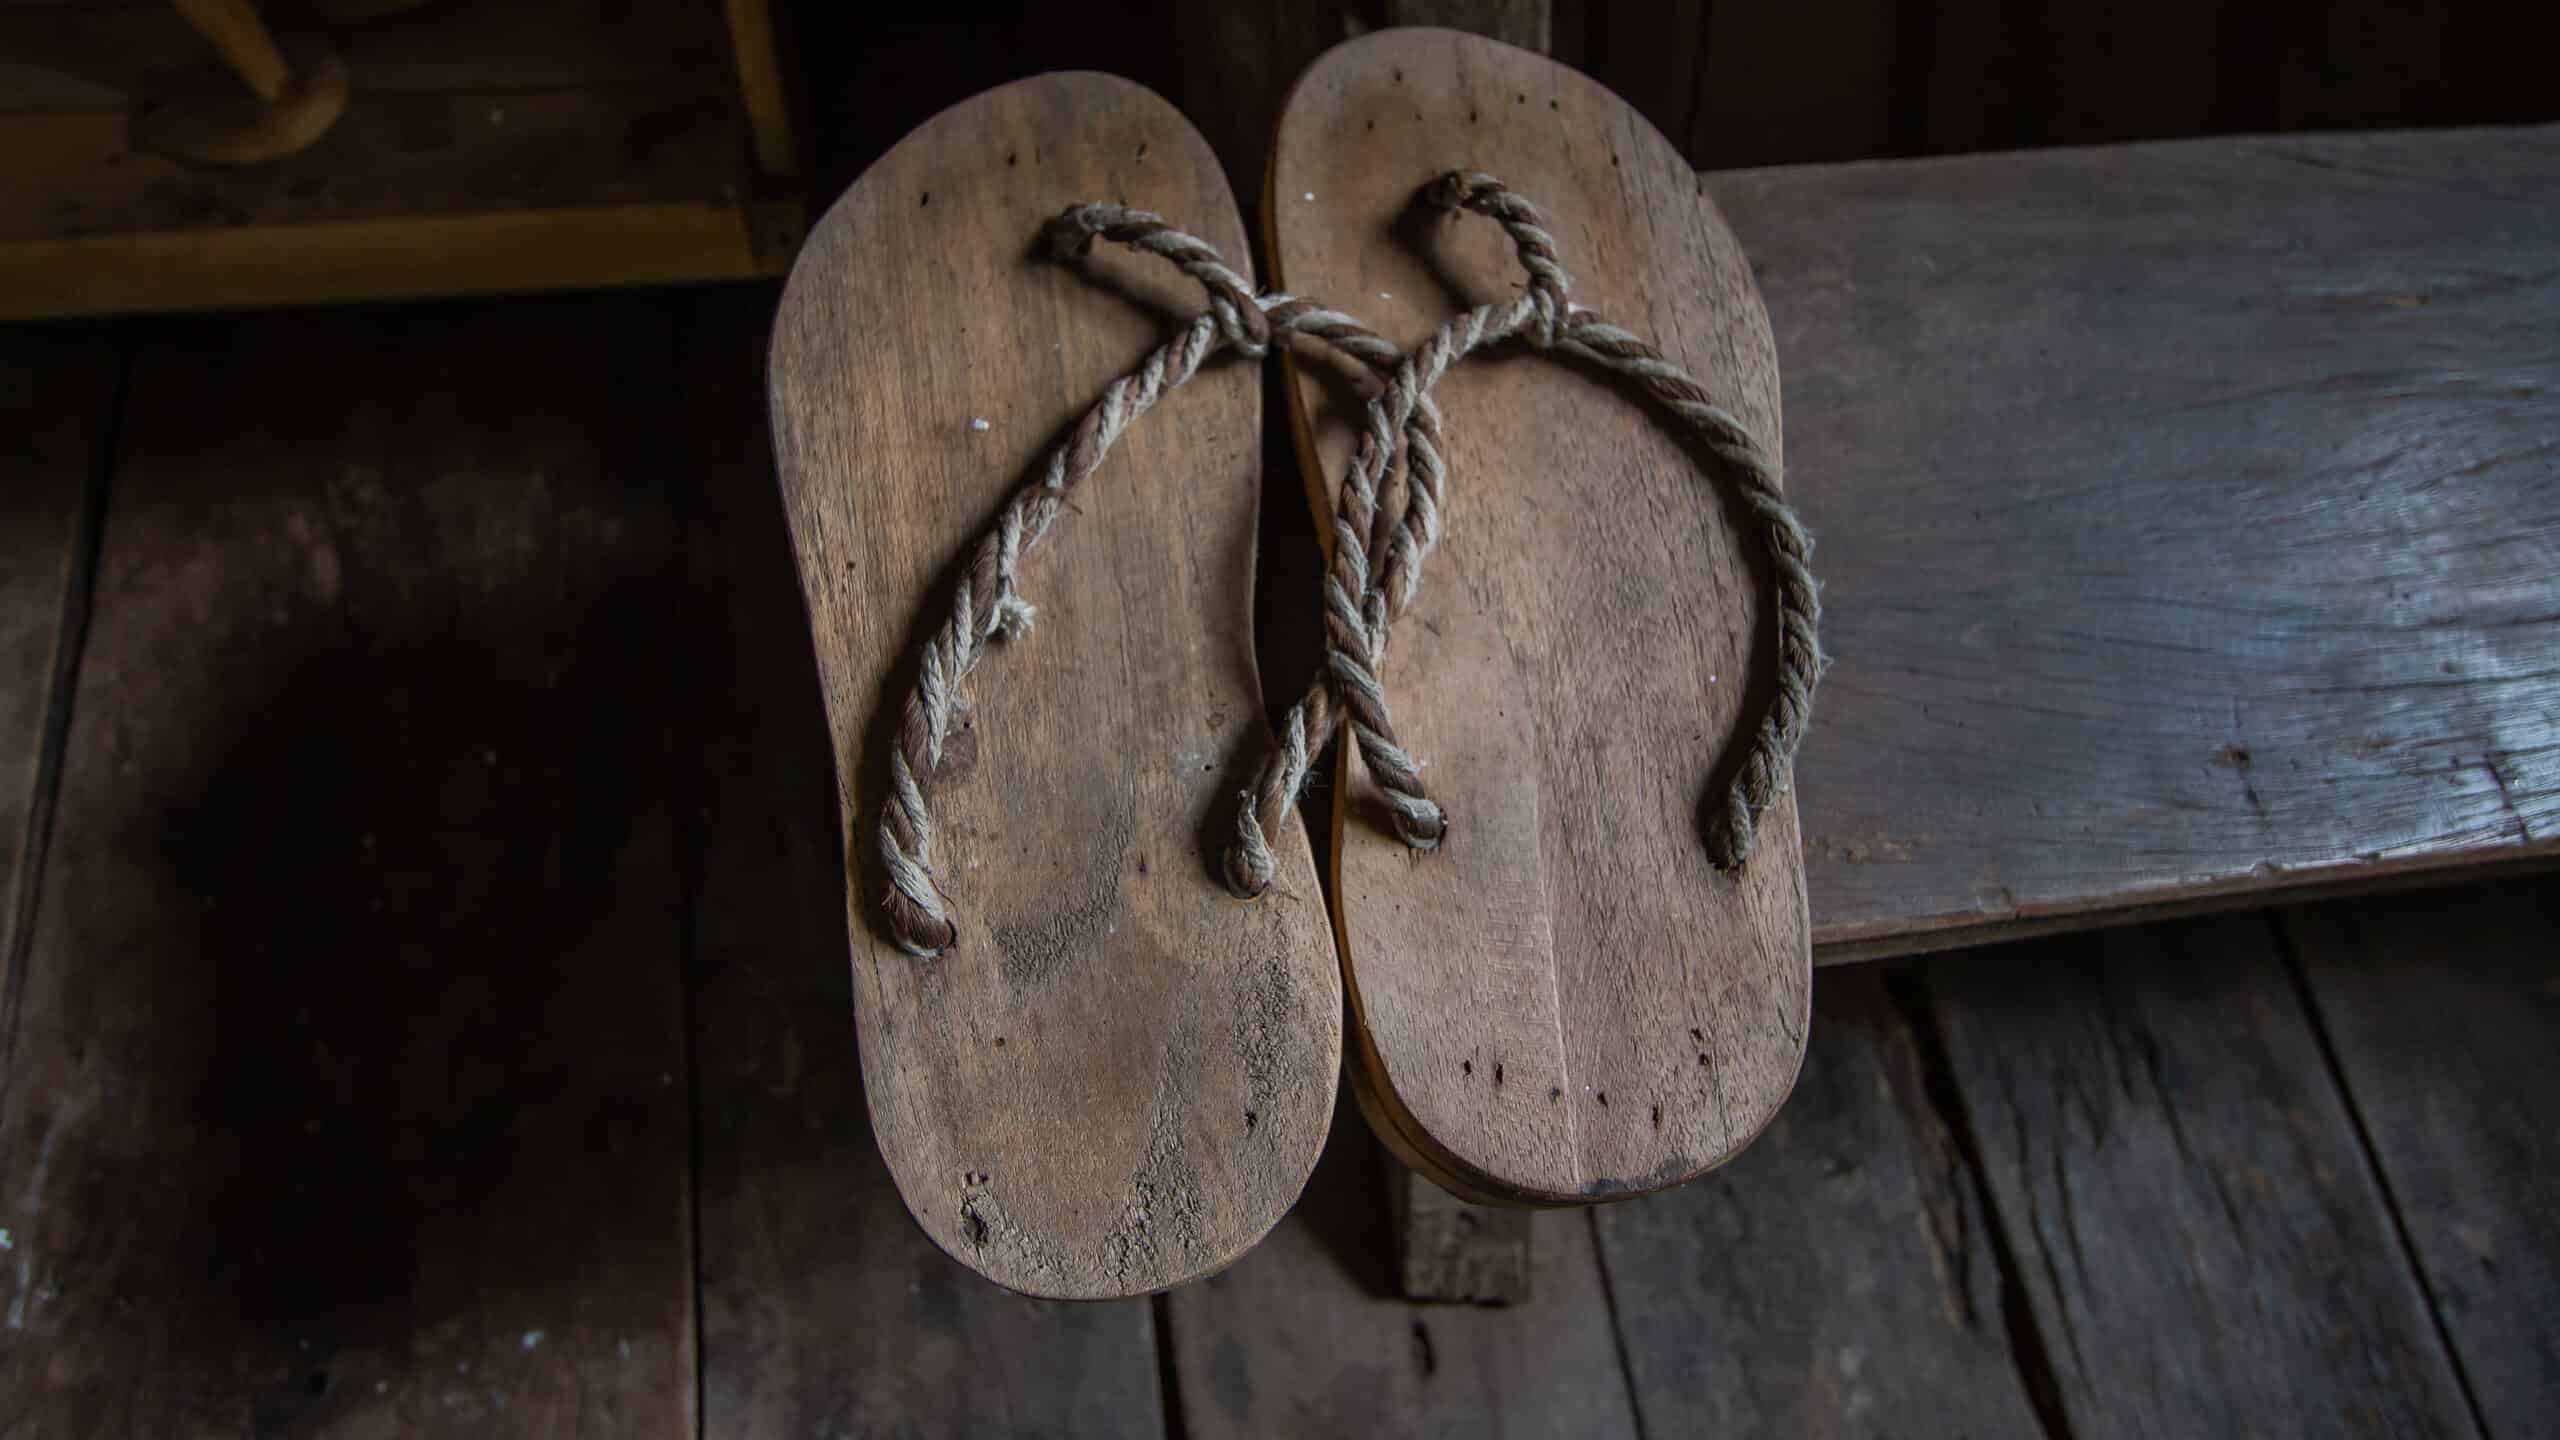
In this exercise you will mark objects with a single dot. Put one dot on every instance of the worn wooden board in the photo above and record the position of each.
(824, 1309)
(1841, 1277)
(1565, 1001)
(389, 158)
(2443, 1013)
(2186, 514)
(2198, 1234)
(1296, 1338)
(1233, 64)
(104, 54)
(1119, 1077)
(58, 403)
(486, 147)
(348, 1087)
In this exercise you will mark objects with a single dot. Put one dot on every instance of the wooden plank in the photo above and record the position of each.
(447, 255)
(2443, 1013)
(57, 405)
(824, 1309)
(1841, 1276)
(2199, 1238)
(1296, 1340)
(2187, 518)
(388, 157)
(104, 54)
(348, 1090)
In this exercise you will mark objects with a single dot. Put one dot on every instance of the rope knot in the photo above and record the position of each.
(1458, 190)
(1070, 233)
(1245, 325)
(1420, 823)
(1248, 863)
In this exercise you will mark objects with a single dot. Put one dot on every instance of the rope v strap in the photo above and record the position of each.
(1378, 549)
(989, 605)
(1376, 567)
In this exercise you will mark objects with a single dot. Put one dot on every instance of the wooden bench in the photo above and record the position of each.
(2189, 516)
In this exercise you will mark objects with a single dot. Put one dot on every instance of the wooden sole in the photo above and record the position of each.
(1566, 1002)
(1118, 1078)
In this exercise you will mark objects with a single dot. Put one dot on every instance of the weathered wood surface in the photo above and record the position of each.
(2197, 1232)
(1566, 1001)
(58, 406)
(1298, 1338)
(1450, 1249)
(1119, 1077)
(1842, 1276)
(2443, 1013)
(825, 1311)
(1232, 65)
(2187, 515)
(347, 1090)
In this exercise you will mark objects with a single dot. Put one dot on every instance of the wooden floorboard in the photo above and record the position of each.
(2187, 515)
(824, 1308)
(346, 1092)
(57, 406)
(2195, 1228)
(2442, 1011)
(1840, 1277)
(1308, 1336)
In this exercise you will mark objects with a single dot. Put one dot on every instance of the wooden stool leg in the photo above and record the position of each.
(294, 91)
(234, 30)
(1454, 1251)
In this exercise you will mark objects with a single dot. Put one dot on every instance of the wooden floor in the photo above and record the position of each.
(425, 1012)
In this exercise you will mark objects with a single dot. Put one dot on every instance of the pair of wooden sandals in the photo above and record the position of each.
(1093, 1069)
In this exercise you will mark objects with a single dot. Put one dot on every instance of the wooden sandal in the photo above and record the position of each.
(1607, 659)
(1091, 1071)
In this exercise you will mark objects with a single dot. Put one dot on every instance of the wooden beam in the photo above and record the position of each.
(2196, 1237)
(2187, 513)
(499, 253)
(1843, 1276)
(57, 403)
(349, 1082)
(2441, 1012)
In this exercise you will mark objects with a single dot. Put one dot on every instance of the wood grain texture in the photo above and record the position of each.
(57, 403)
(468, 191)
(824, 1309)
(2197, 1231)
(1565, 1002)
(1119, 1078)
(1244, 57)
(103, 54)
(390, 157)
(346, 1092)
(2443, 1012)
(1841, 1277)
(2186, 516)
(307, 264)
(1295, 1339)
(1449, 1249)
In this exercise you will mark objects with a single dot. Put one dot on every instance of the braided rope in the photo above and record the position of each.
(1368, 587)
(1375, 571)
(988, 604)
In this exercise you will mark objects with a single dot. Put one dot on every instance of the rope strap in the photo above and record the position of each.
(1375, 570)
